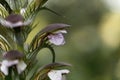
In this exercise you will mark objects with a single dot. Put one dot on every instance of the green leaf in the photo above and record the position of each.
(3, 11)
(16, 5)
(13, 4)
(33, 8)
(6, 5)
(8, 36)
(4, 44)
(40, 3)
(29, 9)
(48, 9)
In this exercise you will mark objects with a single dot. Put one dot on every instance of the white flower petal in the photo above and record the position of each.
(64, 71)
(17, 24)
(57, 74)
(6, 64)
(56, 39)
(21, 66)
(5, 23)
(61, 31)
(9, 63)
(9, 24)
(4, 69)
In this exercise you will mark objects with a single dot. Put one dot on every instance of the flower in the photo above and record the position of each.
(14, 20)
(57, 74)
(57, 37)
(12, 58)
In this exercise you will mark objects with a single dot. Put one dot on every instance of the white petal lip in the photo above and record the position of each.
(9, 63)
(4, 69)
(16, 24)
(61, 31)
(21, 66)
(6, 64)
(57, 74)
(65, 71)
(56, 39)
(12, 25)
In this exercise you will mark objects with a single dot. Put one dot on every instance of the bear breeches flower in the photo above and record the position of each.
(57, 37)
(12, 58)
(57, 74)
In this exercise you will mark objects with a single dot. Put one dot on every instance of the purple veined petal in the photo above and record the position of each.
(13, 55)
(9, 24)
(14, 18)
(13, 25)
(56, 39)
(54, 27)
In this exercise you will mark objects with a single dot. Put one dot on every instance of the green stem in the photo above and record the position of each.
(18, 76)
(19, 41)
(53, 53)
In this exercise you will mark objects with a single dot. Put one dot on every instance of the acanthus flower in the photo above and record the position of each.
(57, 74)
(12, 58)
(14, 20)
(57, 37)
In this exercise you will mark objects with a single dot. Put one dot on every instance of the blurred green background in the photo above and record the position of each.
(92, 42)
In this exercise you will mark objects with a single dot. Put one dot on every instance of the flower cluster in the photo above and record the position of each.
(16, 22)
